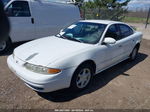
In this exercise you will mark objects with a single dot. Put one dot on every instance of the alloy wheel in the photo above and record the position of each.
(83, 78)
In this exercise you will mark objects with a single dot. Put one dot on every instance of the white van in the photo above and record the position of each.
(32, 19)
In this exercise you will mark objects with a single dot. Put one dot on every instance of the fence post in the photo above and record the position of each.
(147, 18)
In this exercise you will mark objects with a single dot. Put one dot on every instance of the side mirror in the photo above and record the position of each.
(109, 40)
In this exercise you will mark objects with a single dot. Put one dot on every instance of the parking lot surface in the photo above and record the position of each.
(124, 86)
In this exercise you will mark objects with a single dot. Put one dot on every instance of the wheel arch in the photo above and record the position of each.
(137, 45)
(91, 62)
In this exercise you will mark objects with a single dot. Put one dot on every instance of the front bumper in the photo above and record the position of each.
(41, 82)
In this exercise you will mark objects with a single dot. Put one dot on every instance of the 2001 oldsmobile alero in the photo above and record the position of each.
(72, 57)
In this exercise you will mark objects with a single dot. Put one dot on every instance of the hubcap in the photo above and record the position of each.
(83, 78)
(134, 53)
(2, 45)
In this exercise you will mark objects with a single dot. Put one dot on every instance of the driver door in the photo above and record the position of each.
(113, 53)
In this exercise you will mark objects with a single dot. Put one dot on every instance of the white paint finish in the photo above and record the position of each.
(21, 29)
(67, 55)
(49, 48)
(109, 40)
(48, 82)
(49, 18)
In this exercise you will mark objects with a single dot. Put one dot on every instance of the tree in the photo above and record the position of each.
(108, 9)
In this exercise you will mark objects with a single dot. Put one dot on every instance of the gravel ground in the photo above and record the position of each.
(124, 86)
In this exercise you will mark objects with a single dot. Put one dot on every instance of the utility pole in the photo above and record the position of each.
(148, 16)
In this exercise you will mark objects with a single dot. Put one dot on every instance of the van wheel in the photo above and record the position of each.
(134, 54)
(4, 46)
(82, 77)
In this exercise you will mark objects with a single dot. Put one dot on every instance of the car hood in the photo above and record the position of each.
(47, 50)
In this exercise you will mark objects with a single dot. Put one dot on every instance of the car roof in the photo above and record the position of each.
(101, 21)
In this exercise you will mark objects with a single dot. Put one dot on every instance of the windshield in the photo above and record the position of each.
(84, 32)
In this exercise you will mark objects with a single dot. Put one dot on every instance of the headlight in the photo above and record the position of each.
(41, 69)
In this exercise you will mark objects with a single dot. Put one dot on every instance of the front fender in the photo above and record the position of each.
(75, 59)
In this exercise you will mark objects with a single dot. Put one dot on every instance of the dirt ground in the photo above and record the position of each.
(124, 86)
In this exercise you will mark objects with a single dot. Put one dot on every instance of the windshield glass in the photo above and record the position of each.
(84, 32)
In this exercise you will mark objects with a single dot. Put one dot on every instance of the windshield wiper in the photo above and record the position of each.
(60, 36)
(74, 39)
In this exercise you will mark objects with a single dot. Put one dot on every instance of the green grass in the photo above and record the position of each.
(135, 20)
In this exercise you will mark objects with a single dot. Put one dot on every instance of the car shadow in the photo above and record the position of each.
(13, 46)
(99, 81)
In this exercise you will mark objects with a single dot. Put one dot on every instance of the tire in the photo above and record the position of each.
(5, 46)
(134, 53)
(82, 77)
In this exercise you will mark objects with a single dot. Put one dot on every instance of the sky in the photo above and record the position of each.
(139, 4)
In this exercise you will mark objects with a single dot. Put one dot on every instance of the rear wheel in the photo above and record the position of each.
(4, 46)
(82, 77)
(134, 54)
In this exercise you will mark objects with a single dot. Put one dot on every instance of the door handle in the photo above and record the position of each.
(32, 20)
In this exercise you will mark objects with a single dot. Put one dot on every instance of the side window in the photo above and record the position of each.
(113, 32)
(18, 9)
(125, 30)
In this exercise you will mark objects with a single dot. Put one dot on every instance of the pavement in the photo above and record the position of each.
(124, 86)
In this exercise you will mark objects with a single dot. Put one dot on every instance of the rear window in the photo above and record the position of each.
(125, 30)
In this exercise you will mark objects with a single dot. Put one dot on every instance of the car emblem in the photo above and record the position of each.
(31, 56)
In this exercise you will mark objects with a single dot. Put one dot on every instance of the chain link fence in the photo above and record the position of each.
(117, 15)
(95, 13)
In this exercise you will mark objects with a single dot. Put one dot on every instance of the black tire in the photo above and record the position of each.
(7, 47)
(74, 86)
(134, 53)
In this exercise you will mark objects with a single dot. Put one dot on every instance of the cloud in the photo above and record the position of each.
(139, 5)
(140, 1)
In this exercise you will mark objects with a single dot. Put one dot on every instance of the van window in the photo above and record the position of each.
(18, 9)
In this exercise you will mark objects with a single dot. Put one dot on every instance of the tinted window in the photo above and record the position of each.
(125, 30)
(18, 9)
(113, 32)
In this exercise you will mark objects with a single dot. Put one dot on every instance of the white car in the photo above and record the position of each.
(72, 57)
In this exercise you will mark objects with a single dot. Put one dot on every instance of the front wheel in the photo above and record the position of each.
(82, 77)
